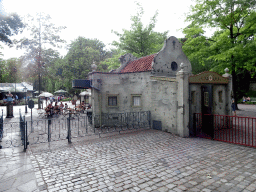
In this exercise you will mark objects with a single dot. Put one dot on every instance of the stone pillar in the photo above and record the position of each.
(228, 93)
(183, 102)
(9, 107)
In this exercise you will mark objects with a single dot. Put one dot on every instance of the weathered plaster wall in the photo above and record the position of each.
(123, 86)
(164, 104)
(219, 104)
(171, 52)
(157, 96)
(196, 101)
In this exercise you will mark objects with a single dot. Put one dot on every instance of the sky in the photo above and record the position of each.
(97, 18)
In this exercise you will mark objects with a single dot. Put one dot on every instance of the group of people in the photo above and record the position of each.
(246, 99)
(58, 109)
(55, 109)
(84, 106)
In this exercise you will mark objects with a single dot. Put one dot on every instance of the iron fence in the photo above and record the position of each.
(1, 128)
(72, 126)
(13, 133)
(127, 120)
(231, 129)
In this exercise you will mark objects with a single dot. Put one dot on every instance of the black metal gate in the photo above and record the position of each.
(13, 134)
(70, 127)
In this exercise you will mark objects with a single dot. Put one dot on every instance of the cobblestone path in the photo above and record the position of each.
(144, 161)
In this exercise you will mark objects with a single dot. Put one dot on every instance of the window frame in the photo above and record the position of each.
(132, 100)
(109, 96)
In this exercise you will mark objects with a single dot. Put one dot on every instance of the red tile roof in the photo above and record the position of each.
(141, 64)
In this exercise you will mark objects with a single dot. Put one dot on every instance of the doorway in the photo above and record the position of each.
(207, 109)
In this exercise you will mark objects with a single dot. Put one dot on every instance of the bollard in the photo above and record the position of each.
(49, 131)
(78, 124)
(69, 129)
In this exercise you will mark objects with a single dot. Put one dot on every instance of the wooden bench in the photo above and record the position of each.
(253, 99)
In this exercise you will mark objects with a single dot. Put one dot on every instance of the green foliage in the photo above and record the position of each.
(112, 62)
(250, 93)
(10, 71)
(233, 43)
(67, 99)
(10, 25)
(77, 63)
(139, 40)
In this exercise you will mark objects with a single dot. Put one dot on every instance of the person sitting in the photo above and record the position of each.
(49, 110)
(56, 108)
(248, 99)
(82, 105)
(244, 99)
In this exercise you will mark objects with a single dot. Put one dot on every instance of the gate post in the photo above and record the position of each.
(149, 119)
(194, 125)
(69, 129)
(25, 136)
(49, 130)
(1, 129)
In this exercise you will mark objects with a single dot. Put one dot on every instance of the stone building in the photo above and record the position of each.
(159, 83)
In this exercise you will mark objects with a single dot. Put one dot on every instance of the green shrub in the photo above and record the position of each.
(251, 93)
(67, 99)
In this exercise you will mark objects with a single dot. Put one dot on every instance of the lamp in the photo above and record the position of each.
(25, 90)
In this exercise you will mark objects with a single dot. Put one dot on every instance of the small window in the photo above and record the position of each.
(136, 100)
(220, 97)
(174, 66)
(112, 100)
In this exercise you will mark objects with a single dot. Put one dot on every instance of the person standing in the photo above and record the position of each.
(233, 106)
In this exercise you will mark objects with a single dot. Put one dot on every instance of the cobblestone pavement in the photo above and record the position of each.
(145, 161)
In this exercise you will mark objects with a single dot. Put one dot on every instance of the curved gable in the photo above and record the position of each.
(167, 61)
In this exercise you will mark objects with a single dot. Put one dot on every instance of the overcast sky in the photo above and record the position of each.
(96, 19)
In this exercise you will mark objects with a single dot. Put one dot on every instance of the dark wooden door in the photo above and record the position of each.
(207, 109)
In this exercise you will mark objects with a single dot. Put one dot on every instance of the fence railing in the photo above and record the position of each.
(232, 129)
(1, 127)
(70, 126)
(127, 120)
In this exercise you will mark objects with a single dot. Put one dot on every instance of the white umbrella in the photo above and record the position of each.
(45, 94)
(60, 91)
(85, 93)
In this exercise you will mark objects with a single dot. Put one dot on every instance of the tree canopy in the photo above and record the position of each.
(139, 40)
(233, 43)
(10, 25)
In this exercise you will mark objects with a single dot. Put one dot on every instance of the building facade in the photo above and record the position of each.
(163, 84)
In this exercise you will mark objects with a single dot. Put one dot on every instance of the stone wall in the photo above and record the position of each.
(164, 103)
(157, 96)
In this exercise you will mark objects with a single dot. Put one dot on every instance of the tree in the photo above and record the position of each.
(139, 40)
(43, 32)
(235, 21)
(196, 48)
(112, 62)
(77, 63)
(10, 25)
(11, 70)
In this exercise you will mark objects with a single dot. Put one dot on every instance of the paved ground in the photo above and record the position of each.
(137, 161)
